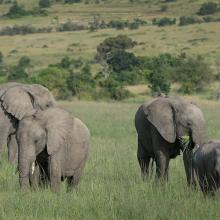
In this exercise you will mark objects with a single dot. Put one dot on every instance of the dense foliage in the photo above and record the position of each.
(208, 8)
(74, 77)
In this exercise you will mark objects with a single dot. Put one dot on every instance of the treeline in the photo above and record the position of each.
(120, 68)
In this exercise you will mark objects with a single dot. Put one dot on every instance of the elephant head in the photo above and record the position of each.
(174, 118)
(45, 130)
(17, 101)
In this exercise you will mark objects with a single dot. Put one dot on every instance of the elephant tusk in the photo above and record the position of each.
(32, 168)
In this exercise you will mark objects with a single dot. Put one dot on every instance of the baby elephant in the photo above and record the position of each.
(206, 164)
(54, 142)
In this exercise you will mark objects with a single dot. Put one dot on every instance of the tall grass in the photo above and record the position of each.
(111, 187)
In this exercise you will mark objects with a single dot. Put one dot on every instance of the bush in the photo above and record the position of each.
(159, 80)
(164, 21)
(16, 11)
(81, 81)
(70, 26)
(72, 1)
(55, 79)
(20, 72)
(208, 8)
(186, 20)
(24, 29)
(113, 90)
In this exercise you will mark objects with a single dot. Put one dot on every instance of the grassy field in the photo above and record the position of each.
(111, 187)
(49, 48)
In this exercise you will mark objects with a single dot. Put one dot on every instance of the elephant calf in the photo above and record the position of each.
(206, 164)
(59, 144)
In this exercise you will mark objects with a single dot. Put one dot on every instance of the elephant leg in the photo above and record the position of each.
(12, 149)
(143, 160)
(72, 182)
(55, 173)
(162, 163)
(190, 172)
(5, 125)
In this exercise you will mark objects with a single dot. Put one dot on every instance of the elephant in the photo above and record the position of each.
(55, 142)
(206, 166)
(161, 125)
(17, 101)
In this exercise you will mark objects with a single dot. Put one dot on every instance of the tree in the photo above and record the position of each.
(20, 71)
(193, 74)
(16, 11)
(111, 44)
(82, 81)
(159, 80)
(208, 8)
(44, 3)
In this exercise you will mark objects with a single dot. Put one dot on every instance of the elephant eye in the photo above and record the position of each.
(189, 123)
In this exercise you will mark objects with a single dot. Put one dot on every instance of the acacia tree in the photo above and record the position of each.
(44, 3)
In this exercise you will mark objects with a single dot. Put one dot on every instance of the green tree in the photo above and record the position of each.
(111, 44)
(44, 3)
(16, 11)
(193, 74)
(208, 8)
(20, 72)
(159, 80)
(82, 81)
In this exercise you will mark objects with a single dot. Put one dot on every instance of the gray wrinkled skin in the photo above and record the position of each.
(57, 143)
(17, 101)
(206, 165)
(160, 126)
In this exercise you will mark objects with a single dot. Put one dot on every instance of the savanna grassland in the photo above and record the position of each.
(111, 187)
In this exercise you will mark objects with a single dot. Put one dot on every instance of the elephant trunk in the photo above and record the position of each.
(25, 163)
(198, 137)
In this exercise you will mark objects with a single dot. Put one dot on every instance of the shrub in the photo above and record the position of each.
(24, 29)
(20, 72)
(72, 1)
(164, 21)
(54, 78)
(81, 81)
(159, 80)
(208, 8)
(70, 26)
(186, 20)
(114, 90)
(16, 11)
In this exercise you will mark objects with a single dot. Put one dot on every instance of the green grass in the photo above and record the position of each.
(111, 187)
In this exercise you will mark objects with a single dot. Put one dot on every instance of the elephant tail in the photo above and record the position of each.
(218, 173)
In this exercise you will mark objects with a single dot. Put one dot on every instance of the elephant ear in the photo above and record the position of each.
(4, 87)
(58, 125)
(161, 114)
(18, 102)
(43, 98)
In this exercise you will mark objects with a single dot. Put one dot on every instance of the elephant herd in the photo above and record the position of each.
(47, 143)
(50, 145)
(162, 126)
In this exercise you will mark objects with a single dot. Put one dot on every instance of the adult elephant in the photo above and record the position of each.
(161, 125)
(18, 101)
